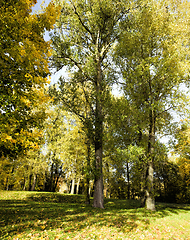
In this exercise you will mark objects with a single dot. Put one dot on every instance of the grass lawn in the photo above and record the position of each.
(33, 215)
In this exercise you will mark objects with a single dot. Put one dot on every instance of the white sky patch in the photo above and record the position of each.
(38, 5)
(55, 76)
(116, 91)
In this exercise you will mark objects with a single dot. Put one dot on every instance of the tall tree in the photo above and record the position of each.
(153, 56)
(83, 39)
(24, 69)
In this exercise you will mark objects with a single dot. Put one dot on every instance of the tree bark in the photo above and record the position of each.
(150, 202)
(108, 183)
(45, 182)
(29, 182)
(7, 183)
(24, 185)
(98, 188)
(56, 182)
(143, 172)
(128, 182)
(89, 189)
(34, 182)
(73, 186)
(98, 183)
(142, 188)
(78, 184)
(51, 178)
(87, 185)
(56, 176)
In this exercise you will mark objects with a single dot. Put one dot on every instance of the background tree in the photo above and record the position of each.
(181, 147)
(153, 58)
(65, 149)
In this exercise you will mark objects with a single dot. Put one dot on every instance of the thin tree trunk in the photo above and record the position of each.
(24, 186)
(44, 183)
(143, 173)
(142, 186)
(7, 183)
(55, 178)
(150, 202)
(34, 182)
(51, 179)
(89, 189)
(29, 182)
(87, 185)
(128, 182)
(78, 184)
(73, 186)
(56, 182)
(108, 182)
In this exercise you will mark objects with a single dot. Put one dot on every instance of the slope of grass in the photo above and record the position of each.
(53, 216)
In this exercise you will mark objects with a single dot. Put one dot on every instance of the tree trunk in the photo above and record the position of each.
(89, 189)
(34, 183)
(51, 178)
(56, 182)
(45, 182)
(98, 183)
(7, 183)
(73, 186)
(98, 193)
(78, 184)
(108, 191)
(142, 186)
(143, 172)
(87, 185)
(56, 176)
(29, 182)
(150, 202)
(24, 185)
(128, 182)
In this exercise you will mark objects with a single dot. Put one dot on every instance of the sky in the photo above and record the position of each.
(39, 3)
(37, 7)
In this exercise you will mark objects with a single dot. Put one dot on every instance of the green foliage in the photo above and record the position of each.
(181, 147)
(152, 57)
(82, 41)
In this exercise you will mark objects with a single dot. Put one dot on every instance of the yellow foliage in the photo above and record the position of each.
(24, 60)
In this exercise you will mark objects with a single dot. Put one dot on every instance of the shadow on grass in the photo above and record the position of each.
(56, 197)
(68, 213)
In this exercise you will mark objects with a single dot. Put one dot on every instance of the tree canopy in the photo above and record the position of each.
(76, 132)
(24, 72)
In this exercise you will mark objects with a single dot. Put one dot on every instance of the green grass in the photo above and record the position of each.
(32, 215)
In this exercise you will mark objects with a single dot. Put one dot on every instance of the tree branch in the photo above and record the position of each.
(85, 27)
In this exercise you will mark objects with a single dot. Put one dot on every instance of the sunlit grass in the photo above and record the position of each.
(31, 215)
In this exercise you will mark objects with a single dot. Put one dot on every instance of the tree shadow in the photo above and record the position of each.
(46, 211)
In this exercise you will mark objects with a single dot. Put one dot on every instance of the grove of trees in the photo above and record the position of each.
(77, 132)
